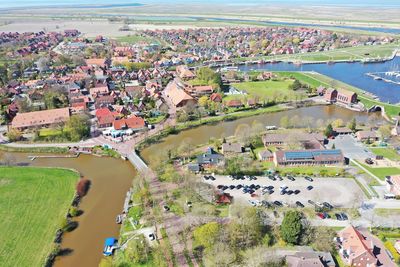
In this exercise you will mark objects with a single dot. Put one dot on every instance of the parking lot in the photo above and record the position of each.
(351, 148)
(340, 192)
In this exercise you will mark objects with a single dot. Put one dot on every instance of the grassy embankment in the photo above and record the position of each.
(316, 79)
(32, 203)
(58, 150)
(341, 54)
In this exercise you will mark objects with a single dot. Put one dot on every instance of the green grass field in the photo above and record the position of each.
(134, 39)
(388, 153)
(32, 203)
(381, 173)
(270, 90)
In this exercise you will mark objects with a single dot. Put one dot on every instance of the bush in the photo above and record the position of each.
(82, 187)
(74, 211)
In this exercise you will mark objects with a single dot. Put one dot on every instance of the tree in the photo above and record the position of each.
(328, 130)
(77, 128)
(323, 239)
(284, 122)
(246, 229)
(203, 101)
(138, 250)
(337, 123)
(207, 234)
(296, 85)
(385, 131)
(291, 227)
(220, 255)
(14, 135)
(352, 125)
(43, 63)
(243, 133)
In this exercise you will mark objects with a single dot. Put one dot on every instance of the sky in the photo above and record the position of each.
(26, 3)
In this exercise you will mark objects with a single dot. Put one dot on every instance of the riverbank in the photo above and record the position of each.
(40, 198)
(206, 121)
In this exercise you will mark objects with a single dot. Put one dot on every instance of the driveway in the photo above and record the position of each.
(351, 148)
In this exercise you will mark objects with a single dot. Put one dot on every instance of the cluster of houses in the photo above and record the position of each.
(117, 97)
(29, 43)
(230, 42)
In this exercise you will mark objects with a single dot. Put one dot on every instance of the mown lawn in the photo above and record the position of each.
(388, 153)
(133, 39)
(33, 202)
(381, 173)
(266, 89)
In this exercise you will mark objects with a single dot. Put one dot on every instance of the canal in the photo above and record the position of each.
(202, 134)
(111, 179)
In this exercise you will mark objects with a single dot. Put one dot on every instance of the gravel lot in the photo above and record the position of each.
(340, 192)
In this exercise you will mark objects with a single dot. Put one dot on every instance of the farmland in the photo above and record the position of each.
(32, 204)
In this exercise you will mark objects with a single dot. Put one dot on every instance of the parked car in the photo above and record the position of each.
(369, 161)
(277, 203)
(321, 215)
(296, 192)
(311, 202)
(291, 178)
(309, 187)
(327, 205)
(308, 178)
(299, 204)
(341, 216)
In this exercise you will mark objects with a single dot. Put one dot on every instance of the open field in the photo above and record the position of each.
(388, 153)
(266, 90)
(32, 204)
(381, 173)
(349, 53)
(135, 38)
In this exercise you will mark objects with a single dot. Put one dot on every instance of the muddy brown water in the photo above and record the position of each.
(201, 135)
(111, 178)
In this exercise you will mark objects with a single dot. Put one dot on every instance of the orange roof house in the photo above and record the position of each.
(40, 118)
(96, 62)
(175, 90)
(183, 72)
(134, 123)
(355, 249)
(215, 97)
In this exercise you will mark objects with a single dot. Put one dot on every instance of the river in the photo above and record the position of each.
(111, 178)
(202, 134)
(350, 73)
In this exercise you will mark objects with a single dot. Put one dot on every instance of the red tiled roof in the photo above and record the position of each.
(130, 123)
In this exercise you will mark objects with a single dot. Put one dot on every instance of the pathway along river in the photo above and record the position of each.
(111, 178)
